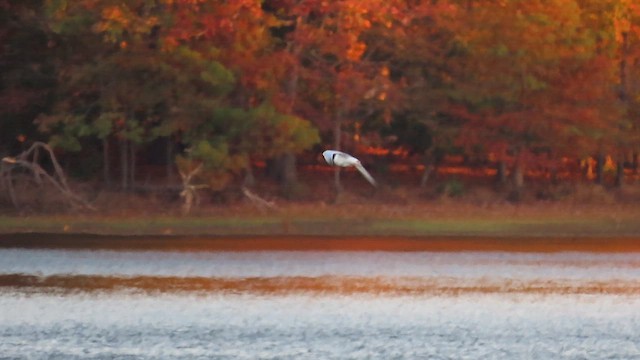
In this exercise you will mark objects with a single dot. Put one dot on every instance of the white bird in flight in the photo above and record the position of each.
(338, 158)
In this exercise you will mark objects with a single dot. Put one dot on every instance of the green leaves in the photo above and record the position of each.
(103, 125)
(216, 155)
(238, 81)
(65, 141)
(218, 77)
(259, 133)
(68, 129)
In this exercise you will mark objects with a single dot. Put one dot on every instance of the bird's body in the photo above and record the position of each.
(339, 158)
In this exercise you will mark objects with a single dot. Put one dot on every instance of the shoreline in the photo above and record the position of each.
(235, 243)
(438, 220)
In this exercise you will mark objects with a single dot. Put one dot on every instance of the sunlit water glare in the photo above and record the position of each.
(68, 320)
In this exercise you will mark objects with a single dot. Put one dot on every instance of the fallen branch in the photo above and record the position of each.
(189, 192)
(258, 201)
(29, 159)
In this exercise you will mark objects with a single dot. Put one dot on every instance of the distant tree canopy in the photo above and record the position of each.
(227, 84)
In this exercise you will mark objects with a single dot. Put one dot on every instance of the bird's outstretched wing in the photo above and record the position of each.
(365, 173)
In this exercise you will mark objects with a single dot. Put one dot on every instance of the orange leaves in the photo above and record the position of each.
(114, 13)
(169, 42)
(355, 51)
(236, 23)
(112, 18)
(119, 22)
(545, 73)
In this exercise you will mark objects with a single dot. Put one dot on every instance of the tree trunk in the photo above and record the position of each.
(624, 98)
(600, 159)
(105, 162)
(132, 165)
(337, 145)
(620, 173)
(249, 177)
(286, 164)
(169, 165)
(287, 175)
(624, 49)
(292, 85)
(501, 174)
(426, 174)
(124, 164)
(518, 176)
(429, 167)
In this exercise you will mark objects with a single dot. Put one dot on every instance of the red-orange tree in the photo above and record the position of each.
(188, 70)
(537, 77)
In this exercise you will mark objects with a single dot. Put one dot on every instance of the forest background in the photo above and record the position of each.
(165, 105)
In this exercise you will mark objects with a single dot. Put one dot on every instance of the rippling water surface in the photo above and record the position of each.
(72, 304)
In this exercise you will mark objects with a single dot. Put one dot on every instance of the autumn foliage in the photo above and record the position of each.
(235, 86)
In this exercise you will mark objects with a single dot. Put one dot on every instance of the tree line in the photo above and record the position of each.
(225, 85)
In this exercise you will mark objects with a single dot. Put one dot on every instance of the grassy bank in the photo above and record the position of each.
(350, 220)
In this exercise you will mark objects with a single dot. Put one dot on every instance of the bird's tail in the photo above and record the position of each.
(366, 174)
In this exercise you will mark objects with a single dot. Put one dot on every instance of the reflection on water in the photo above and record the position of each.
(569, 265)
(70, 304)
(299, 326)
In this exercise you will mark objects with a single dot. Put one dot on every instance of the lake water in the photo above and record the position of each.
(102, 304)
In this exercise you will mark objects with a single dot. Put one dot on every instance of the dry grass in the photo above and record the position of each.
(436, 218)
(446, 207)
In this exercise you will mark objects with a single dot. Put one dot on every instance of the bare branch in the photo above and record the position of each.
(258, 201)
(189, 192)
(28, 159)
